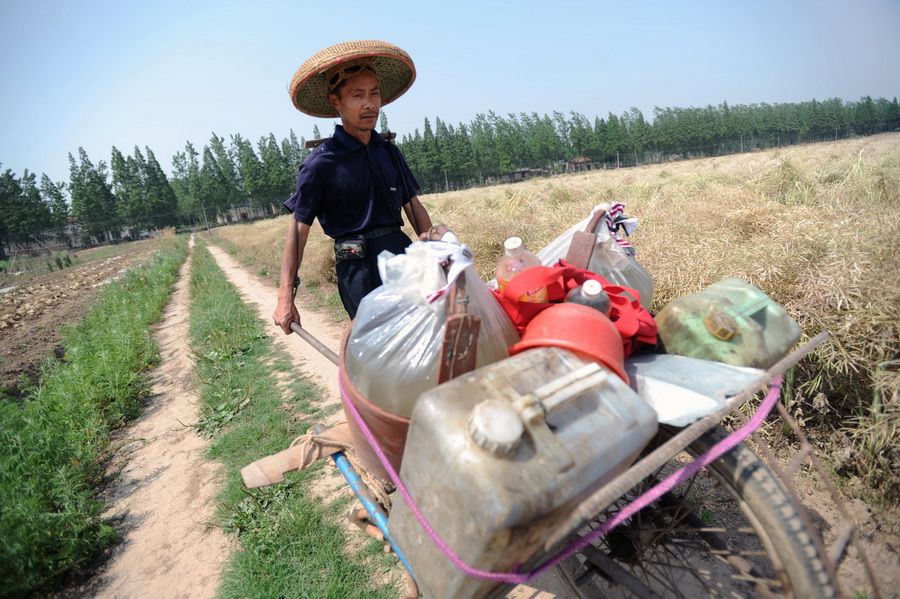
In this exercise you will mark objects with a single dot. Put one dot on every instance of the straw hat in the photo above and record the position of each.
(309, 86)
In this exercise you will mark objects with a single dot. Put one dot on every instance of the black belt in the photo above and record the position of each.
(374, 233)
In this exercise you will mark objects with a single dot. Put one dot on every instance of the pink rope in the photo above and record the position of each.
(681, 475)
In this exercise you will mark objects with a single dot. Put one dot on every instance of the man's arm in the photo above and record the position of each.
(417, 217)
(294, 243)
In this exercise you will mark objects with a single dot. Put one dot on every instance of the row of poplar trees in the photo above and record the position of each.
(447, 157)
(232, 174)
(129, 195)
(132, 194)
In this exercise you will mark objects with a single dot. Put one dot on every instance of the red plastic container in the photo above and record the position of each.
(577, 328)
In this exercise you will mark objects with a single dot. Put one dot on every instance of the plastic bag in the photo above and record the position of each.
(393, 351)
(612, 263)
(559, 247)
(610, 260)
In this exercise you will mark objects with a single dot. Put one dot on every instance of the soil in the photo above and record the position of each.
(880, 543)
(34, 307)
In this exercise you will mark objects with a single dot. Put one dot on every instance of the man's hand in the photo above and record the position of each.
(285, 313)
(435, 233)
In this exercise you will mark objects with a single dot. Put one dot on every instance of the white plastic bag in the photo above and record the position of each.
(393, 351)
(611, 262)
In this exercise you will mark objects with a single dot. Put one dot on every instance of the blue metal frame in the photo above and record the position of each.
(376, 514)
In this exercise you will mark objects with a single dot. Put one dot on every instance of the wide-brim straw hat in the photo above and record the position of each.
(309, 88)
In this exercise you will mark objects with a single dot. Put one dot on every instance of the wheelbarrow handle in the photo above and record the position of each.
(317, 345)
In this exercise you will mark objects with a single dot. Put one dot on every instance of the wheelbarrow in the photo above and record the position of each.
(742, 523)
(661, 527)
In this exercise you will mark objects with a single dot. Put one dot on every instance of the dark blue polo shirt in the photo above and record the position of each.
(351, 187)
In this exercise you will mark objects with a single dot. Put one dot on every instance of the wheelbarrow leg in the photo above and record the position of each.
(374, 514)
(360, 517)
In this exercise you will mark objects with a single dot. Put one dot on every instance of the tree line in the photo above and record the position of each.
(446, 157)
(132, 194)
(232, 174)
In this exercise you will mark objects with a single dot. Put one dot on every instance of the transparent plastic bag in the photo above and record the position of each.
(612, 263)
(609, 260)
(559, 247)
(393, 351)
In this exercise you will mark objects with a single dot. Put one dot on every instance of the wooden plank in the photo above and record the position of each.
(581, 248)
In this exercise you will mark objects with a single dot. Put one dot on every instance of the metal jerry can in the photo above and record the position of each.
(497, 458)
(730, 321)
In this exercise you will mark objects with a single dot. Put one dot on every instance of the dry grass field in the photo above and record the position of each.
(817, 227)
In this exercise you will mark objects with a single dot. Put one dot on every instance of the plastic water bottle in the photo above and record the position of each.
(590, 294)
(515, 260)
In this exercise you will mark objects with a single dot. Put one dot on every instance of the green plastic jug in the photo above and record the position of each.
(730, 321)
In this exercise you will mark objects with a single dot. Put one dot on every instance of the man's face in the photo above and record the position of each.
(358, 100)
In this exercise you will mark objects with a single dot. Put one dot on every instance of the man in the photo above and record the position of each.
(355, 183)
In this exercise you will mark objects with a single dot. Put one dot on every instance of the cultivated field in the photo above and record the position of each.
(817, 227)
(56, 433)
(34, 305)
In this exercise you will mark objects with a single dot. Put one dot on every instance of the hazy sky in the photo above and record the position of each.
(98, 74)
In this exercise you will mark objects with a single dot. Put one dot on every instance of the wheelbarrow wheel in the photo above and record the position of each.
(733, 532)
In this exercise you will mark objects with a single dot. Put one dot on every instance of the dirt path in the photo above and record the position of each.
(311, 363)
(166, 496)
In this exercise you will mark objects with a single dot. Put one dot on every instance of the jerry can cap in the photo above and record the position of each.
(496, 427)
(722, 326)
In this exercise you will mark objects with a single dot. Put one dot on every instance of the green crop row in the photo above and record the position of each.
(54, 441)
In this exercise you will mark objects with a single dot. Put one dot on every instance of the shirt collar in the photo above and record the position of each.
(350, 142)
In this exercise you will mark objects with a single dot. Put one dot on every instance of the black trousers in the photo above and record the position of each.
(356, 278)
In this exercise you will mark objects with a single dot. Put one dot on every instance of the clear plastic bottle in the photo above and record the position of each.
(515, 260)
(590, 294)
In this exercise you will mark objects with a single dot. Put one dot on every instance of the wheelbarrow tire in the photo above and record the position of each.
(753, 541)
(775, 516)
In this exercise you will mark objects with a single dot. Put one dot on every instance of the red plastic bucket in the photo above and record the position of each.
(577, 328)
